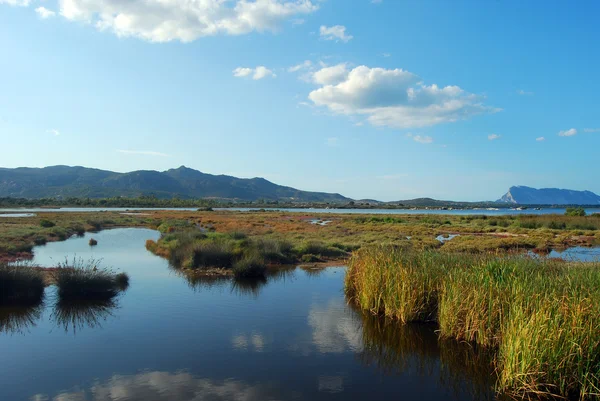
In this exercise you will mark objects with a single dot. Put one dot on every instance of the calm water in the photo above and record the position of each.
(578, 253)
(501, 212)
(290, 337)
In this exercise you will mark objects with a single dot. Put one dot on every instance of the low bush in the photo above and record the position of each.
(575, 211)
(47, 223)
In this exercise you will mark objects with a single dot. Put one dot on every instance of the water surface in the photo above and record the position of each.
(461, 212)
(577, 254)
(289, 337)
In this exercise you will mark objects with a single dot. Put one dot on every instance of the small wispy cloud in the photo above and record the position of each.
(142, 152)
(523, 92)
(386, 55)
(53, 131)
(493, 137)
(302, 66)
(569, 132)
(298, 21)
(589, 130)
(337, 32)
(333, 142)
(257, 73)
(44, 13)
(540, 139)
(422, 139)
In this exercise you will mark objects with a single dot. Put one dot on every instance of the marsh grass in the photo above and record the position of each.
(541, 318)
(20, 285)
(79, 280)
(251, 265)
(245, 255)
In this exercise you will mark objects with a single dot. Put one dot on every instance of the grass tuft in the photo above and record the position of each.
(20, 285)
(78, 280)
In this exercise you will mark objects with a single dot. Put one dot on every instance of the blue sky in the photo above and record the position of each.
(388, 100)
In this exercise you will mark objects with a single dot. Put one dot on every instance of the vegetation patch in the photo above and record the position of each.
(20, 285)
(246, 256)
(79, 280)
(541, 318)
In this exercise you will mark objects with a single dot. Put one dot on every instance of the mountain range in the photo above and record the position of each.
(183, 182)
(61, 182)
(548, 196)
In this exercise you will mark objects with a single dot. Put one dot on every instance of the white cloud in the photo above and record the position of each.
(262, 72)
(333, 142)
(331, 75)
(524, 92)
(44, 13)
(242, 72)
(142, 152)
(386, 55)
(569, 132)
(53, 131)
(589, 130)
(21, 3)
(540, 139)
(423, 139)
(392, 98)
(302, 66)
(493, 137)
(184, 20)
(337, 32)
(257, 73)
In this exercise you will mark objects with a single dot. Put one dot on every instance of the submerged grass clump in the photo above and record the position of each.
(78, 280)
(20, 285)
(541, 318)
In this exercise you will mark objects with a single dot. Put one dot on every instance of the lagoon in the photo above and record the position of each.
(290, 337)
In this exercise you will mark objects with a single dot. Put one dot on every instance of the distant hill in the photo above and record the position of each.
(549, 196)
(183, 182)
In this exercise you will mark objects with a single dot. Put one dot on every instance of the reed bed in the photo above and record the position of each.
(540, 318)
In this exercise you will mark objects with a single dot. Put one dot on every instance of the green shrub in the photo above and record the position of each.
(47, 223)
(575, 211)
